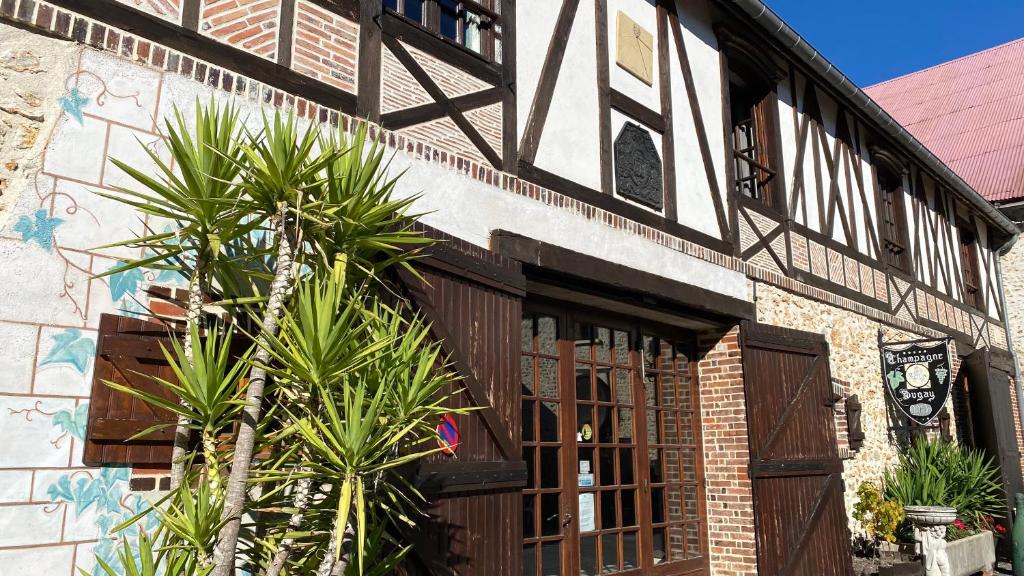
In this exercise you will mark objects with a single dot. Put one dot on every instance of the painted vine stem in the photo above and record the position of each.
(235, 496)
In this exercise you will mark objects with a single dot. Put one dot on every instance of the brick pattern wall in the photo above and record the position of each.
(247, 24)
(730, 505)
(167, 9)
(399, 90)
(325, 46)
(1015, 409)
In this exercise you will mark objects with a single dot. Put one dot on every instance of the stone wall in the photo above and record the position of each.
(854, 366)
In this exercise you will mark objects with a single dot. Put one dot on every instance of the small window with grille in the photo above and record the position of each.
(754, 163)
(474, 25)
(893, 220)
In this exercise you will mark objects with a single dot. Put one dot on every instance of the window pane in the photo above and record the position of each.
(530, 560)
(605, 424)
(625, 466)
(675, 537)
(622, 392)
(608, 519)
(629, 551)
(621, 347)
(549, 378)
(689, 466)
(693, 540)
(528, 420)
(604, 384)
(526, 376)
(609, 553)
(550, 516)
(659, 545)
(653, 430)
(672, 466)
(549, 422)
(449, 18)
(551, 559)
(588, 556)
(651, 390)
(586, 455)
(668, 391)
(471, 31)
(690, 500)
(628, 507)
(549, 468)
(583, 334)
(657, 505)
(675, 503)
(392, 4)
(585, 423)
(529, 515)
(625, 425)
(547, 331)
(413, 10)
(583, 382)
(529, 452)
(608, 467)
(604, 345)
(654, 457)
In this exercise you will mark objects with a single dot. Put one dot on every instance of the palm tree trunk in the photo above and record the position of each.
(193, 317)
(332, 566)
(234, 499)
(301, 502)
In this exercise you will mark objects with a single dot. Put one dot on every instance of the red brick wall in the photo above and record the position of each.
(730, 510)
(1015, 407)
(247, 24)
(324, 46)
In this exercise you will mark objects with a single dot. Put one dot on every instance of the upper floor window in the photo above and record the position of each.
(753, 116)
(753, 164)
(892, 216)
(475, 25)
(969, 263)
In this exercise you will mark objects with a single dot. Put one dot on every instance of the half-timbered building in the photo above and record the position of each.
(676, 236)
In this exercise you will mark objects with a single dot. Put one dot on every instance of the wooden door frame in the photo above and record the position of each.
(566, 314)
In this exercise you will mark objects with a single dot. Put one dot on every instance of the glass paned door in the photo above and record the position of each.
(544, 518)
(606, 463)
(610, 437)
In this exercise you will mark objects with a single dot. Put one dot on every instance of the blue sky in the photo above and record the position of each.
(875, 40)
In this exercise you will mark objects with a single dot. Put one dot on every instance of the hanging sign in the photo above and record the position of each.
(917, 376)
(448, 434)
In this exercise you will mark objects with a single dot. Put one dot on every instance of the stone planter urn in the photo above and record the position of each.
(930, 532)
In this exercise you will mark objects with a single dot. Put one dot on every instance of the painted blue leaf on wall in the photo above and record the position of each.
(40, 230)
(104, 490)
(73, 422)
(71, 348)
(124, 282)
(73, 102)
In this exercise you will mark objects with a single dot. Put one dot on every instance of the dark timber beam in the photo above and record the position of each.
(368, 87)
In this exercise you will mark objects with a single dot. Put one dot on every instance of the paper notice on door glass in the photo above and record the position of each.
(587, 512)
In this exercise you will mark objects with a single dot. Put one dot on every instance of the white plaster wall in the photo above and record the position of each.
(535, 21)
(695, 204)
(643, 13)
(471, 210)
(570, 143)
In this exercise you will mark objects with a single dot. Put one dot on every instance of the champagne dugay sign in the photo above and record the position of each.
(917, 376)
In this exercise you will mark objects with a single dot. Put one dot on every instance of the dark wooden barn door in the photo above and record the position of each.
(993, 418)
(472, 299)
(795, 467)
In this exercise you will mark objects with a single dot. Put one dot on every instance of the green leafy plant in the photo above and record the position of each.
(305, 439)
(941, 473)
(879, 517)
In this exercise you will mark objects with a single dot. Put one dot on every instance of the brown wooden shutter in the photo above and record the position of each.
(128, 351)
(473, 297)
(795, 468)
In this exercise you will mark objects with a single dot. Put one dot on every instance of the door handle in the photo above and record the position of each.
(567, 519)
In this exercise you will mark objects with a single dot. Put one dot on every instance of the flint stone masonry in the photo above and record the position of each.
(853, 361)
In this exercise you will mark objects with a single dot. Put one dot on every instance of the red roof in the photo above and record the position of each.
(970, 113)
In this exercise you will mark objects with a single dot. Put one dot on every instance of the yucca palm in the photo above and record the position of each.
(196, 193)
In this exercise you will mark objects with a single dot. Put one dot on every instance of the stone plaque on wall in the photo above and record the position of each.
(634, 48)
(638, 167)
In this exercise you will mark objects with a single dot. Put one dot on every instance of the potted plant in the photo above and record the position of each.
(949, 495)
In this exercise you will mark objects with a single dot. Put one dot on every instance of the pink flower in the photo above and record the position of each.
(959, 524)
(1000, 529)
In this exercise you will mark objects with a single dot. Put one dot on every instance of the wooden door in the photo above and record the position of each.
(610, 436)
(800, 516)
